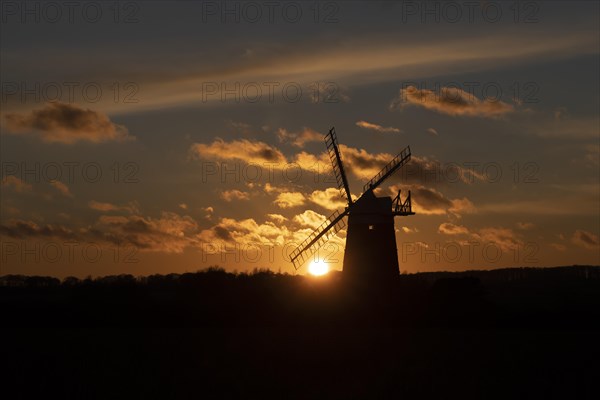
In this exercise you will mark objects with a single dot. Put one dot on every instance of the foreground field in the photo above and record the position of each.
(499, 334)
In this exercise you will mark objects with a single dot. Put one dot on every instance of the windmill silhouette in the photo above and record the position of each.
(371, 250)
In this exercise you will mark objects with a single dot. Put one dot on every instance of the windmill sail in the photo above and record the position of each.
(336, 163)
(389, 169)
(319, 236)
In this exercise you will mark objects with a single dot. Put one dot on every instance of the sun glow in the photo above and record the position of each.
(318, 268)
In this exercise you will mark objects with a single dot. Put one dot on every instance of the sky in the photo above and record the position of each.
(163, 137)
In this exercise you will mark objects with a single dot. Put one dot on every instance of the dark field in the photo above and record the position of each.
(504, 334)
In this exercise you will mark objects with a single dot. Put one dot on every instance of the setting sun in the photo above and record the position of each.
(318, 268)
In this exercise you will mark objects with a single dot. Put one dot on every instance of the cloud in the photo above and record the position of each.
(562, 206)
(170, 233)
(12, 210)
(358, 162)
(230, 195)
(183, 206)
(432, 131)
(173, 233)
(21, 229)
(365, 165)
(241, 127)
(246, 232)
(525, 225)
(592, 155)
(362, 163)
(243, 150)
(310, 162)
(450, 101)
(378, 128)
(299, 139)
(429, 201)
(423, 170)
(594, 149)
(208, 212)
(222, 233)
(368, 59)
(462, 206)
(585, 239)
(67, 124)
(289, 199)
(452, 229)
(329, 198)
(18, 185)
(327, 92)
(62, 188)
(131, 207)
(541, 124)
(277, 218)
(503, 238)
(310, 219)
(558, 246)
(268, 188)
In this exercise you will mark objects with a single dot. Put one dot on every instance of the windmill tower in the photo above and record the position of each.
(371, 251)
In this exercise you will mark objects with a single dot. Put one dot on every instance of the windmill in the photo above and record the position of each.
(371, 250)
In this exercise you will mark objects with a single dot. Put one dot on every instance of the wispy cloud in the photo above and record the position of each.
(299, 139)
(586, 239)
(62, 188)
(376, 127)
(17, 184)
(131, 207)
(450, 101)
(244, 150)
(504, 238)
(525, 225)
(448, 228)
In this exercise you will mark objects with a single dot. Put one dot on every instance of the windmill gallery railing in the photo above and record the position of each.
(400, 208)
